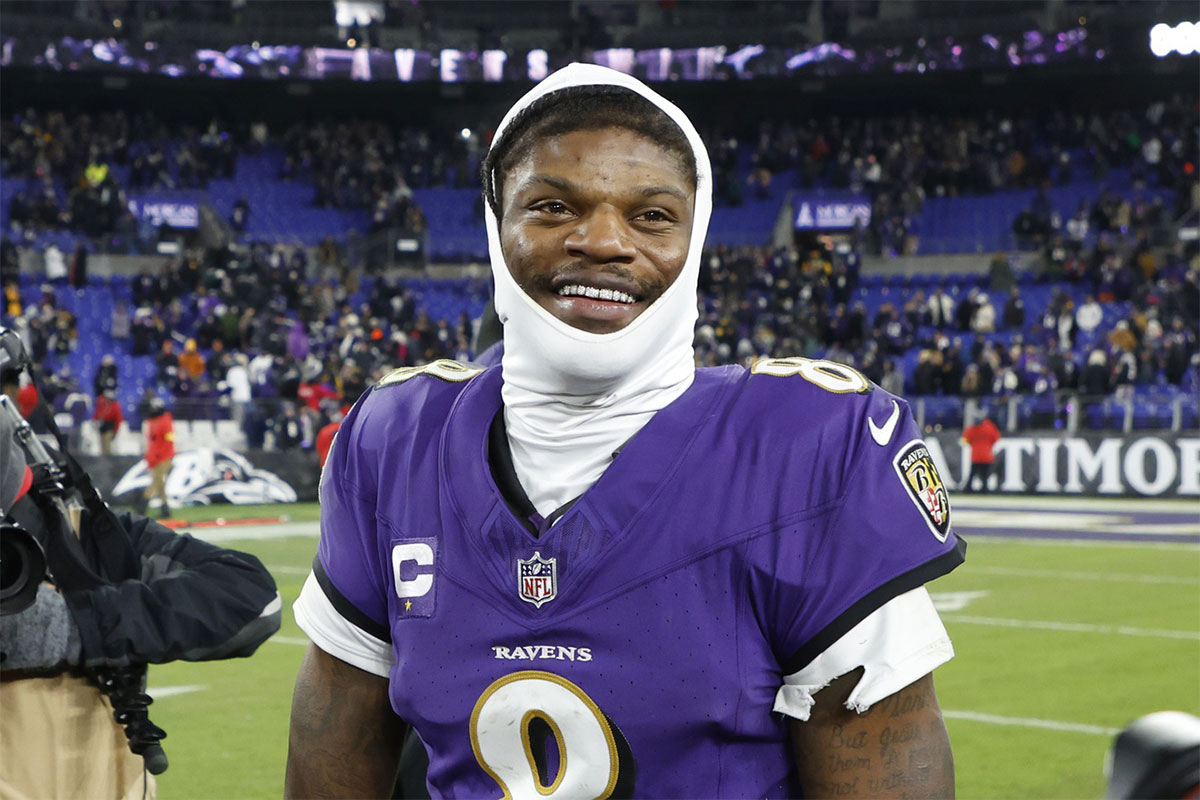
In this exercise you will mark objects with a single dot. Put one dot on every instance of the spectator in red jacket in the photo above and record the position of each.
(313, 393)
(108, 414)
(982, 436)
(326, 434)
(160, 449)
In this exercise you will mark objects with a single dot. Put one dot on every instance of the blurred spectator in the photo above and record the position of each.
(108, 414)
(240, 217)
(892, 381)
(160, 451)
(237, 378)
(105, 378)
(55, 264)
(1000, 274)
(982, 438)
(1179, 349)
(288, 429)
(78, 272)
(1014, 310)
(167, 363)
(1096, 380)
(325, 437)
(1089, 315)
(191, 362)
(941, 308)
(121, 326)
(984, 318)
(1123, 338)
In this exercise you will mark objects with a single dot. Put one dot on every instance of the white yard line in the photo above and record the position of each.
(297, 640)
(1031, 722)
(1091, 504)
(974, 537)
(1155, 529)
(980, 519)
(1103, 577)
(235, 533)
(1073, 627)
(284, 569)
(159, 692)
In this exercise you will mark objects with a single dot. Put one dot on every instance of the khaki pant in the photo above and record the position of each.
(158, 481)
(58, 740)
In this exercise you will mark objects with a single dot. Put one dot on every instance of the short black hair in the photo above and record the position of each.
(581, 108)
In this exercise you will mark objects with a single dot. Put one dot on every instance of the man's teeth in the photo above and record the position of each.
(611, 295)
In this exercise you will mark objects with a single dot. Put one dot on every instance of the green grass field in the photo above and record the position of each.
(1059, 644)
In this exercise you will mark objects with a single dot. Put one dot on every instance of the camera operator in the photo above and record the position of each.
(88, 598)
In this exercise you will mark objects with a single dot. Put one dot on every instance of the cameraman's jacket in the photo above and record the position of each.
(195, 601)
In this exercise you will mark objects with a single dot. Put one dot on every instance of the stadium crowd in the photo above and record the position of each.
(355, 163)
(763, 303)
(284, 336)
(283, 344)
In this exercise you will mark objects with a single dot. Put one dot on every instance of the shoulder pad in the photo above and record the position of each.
(443, 369)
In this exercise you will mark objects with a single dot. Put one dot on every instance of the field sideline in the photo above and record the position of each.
(1070, 618)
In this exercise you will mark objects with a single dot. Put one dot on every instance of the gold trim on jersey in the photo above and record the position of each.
(443, 369)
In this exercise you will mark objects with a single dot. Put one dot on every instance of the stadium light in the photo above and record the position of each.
(1183, 39)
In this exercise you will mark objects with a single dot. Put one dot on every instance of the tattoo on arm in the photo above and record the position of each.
(898, 748)
(344, 739)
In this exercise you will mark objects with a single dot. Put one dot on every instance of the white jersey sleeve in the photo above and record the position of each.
(333, 633)
(900, 642)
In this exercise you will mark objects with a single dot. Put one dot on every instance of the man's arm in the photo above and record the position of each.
(344, 739)
(898, 748)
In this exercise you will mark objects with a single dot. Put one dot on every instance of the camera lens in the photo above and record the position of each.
(22, 567)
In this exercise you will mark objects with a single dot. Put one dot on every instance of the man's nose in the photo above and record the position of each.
(602, 236)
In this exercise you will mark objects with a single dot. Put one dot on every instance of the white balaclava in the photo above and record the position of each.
(572, 398)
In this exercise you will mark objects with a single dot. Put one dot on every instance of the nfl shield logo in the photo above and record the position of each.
(537, 579)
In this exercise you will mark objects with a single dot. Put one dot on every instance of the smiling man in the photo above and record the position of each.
(598, 221)
(596, 571)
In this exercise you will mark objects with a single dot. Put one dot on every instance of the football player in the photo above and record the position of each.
(597, 571)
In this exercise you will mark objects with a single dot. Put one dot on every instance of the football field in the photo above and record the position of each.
(1070, 618)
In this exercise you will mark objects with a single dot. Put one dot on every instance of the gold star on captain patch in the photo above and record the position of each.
(408, 605)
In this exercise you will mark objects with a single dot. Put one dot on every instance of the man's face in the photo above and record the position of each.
(596, 225)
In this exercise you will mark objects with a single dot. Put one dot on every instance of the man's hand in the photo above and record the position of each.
(345, 739)
(898, 748)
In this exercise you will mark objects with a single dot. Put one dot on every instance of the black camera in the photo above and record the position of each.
(22, 568)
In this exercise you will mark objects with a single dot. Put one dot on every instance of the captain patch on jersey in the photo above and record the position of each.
(920, 477)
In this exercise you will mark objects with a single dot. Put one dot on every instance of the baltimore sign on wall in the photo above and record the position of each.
(1136, 465)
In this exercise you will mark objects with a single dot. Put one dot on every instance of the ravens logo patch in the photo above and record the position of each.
(924, 485)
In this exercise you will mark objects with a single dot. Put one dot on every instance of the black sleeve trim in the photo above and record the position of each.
(347, 609)
(874, 601)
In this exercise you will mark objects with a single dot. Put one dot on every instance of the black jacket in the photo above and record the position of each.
(194, 601)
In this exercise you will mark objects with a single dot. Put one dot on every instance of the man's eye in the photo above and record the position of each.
(551, 207)
(654, 215)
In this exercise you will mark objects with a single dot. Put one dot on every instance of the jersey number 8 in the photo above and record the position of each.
(829, 375)
(592, 754)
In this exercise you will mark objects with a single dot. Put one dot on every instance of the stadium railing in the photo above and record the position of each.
(1064, 411)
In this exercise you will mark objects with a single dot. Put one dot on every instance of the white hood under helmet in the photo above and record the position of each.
(572, 398)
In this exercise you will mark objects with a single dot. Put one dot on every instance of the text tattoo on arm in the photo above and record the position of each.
(899, 748)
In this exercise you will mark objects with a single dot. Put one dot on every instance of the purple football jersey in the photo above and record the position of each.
(636, 647)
